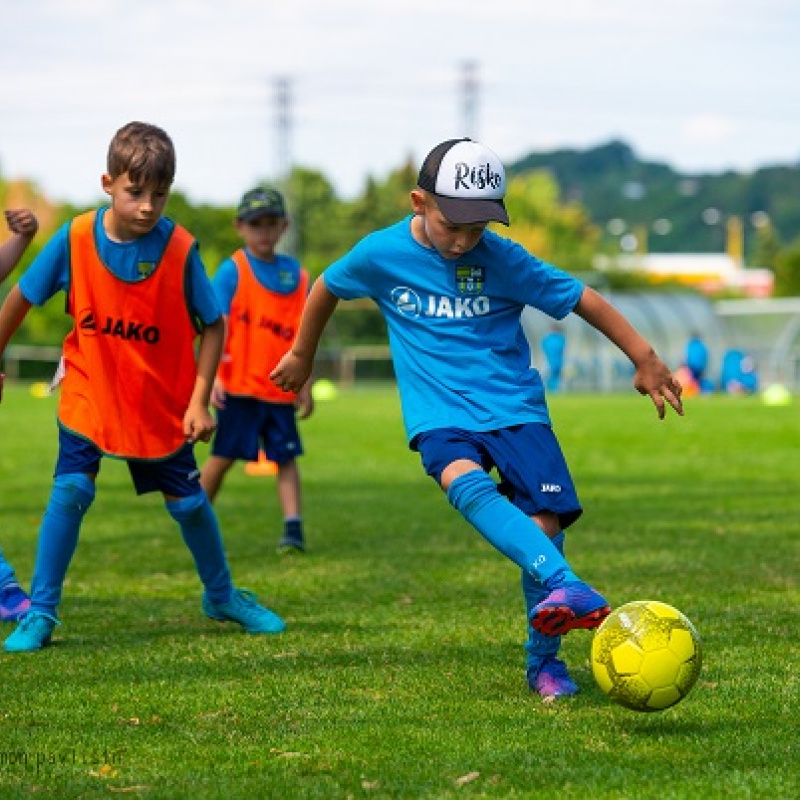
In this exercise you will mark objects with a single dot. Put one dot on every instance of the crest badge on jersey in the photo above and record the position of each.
(470, 280)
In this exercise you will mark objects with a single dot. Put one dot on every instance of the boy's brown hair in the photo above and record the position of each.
(145, 152)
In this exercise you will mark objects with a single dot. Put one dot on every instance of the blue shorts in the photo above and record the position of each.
(247, 424)
(177, 476)
(533, 473)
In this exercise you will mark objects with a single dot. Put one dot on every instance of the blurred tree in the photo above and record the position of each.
(787, 271)
(560, 233)
(212, 226)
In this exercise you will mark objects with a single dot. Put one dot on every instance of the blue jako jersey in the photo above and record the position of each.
(460, 355)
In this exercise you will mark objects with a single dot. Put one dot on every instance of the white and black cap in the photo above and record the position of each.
(467, 180)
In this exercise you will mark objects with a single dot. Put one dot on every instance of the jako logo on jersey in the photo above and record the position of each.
(265, 323)
(407, 301)
(553, 488)
(409, 304)
(86, 322)
(131, 331)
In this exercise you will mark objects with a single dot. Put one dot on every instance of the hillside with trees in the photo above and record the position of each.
(676, 212)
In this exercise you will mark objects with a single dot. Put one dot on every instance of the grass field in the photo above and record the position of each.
(401, 673)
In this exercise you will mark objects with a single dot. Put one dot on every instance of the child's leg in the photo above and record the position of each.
(14, 603)
(213, 474)
(538, 647)
(70, 498)
(546, 674)
(200, 531)
(508, 529)
(221, 601)
(6, 572)
(289, 494)
(570, 603)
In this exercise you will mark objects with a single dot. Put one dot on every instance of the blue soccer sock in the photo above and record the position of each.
(508, 529)
(7, 575)
(200, 531)
(69, 501)
(538, 647)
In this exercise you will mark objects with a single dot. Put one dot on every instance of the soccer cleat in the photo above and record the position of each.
(551, 679)
(13, 603)
(571, 606)
(243, 608)
(32, 633)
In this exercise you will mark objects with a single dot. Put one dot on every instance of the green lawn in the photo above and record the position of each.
(401, 674)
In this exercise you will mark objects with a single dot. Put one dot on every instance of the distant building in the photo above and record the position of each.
(710, 273)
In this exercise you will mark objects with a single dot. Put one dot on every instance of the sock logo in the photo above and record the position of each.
(550, 488)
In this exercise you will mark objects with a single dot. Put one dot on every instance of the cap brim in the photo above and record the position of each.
(468, 212)
(257, 214)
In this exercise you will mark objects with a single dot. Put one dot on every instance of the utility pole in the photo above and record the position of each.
(469, 99)
(282, 109)
(282, 101)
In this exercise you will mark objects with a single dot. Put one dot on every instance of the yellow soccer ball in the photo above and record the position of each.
(646, 655)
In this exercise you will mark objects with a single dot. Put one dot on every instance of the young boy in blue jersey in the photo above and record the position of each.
(262, 294)
(452, 294)
(133, 386)
(23, 225)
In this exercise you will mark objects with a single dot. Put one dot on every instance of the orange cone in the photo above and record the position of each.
(261, 467)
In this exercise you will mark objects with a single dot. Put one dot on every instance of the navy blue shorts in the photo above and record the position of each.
(177, 476)
(533, 473)
(247, 424)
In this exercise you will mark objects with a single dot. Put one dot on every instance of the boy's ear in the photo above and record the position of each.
(418, 202)
(106, 182)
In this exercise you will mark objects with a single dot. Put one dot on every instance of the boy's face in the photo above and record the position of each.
(135, 209)
(447, 238)
(261, 235)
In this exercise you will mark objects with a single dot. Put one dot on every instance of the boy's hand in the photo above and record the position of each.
(292, 373)
(22, 221)
(198, 424)
(218, 395)
(304, 402)
(653, 378)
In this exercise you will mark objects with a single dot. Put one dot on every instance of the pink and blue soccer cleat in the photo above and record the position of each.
(571, 606)
(551, 679)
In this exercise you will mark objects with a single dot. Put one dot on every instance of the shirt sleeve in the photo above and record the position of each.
(225, 283)
(201, 296)
(345, 277)
(48, 274)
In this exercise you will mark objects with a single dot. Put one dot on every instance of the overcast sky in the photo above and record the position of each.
(703, 85)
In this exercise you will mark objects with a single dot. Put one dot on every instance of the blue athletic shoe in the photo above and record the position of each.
(551, 679)
(32, 633)
(573, 605)
(243, 608)
(13, 603)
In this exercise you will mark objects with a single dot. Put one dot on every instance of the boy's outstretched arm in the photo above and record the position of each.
(652, 377)
(294, 369)
(12, 313)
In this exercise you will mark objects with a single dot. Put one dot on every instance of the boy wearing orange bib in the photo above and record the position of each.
(133, 387)
(262, 294)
